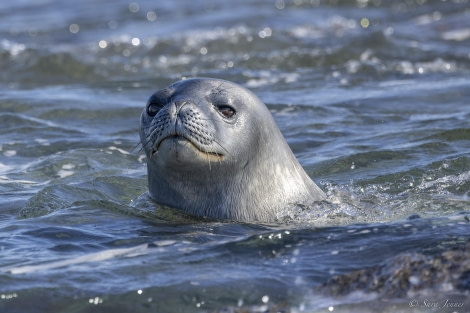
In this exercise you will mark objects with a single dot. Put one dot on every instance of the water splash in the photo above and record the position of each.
(428, 196)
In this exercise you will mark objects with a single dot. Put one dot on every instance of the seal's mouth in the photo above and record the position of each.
(209, 155)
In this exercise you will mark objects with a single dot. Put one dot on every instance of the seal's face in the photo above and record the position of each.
(191, 123)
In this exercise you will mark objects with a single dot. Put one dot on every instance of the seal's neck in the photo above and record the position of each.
(274, 180)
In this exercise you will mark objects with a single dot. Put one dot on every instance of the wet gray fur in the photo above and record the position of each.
(245, 170)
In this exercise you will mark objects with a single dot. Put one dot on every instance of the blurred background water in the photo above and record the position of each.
(372, 96)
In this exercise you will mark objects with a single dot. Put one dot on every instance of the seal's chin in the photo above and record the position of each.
(182, 149)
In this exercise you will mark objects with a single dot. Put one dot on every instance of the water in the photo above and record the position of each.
(372, 96)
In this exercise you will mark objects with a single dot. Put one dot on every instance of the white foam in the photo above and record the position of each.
(457, 34)
(65, 173)
(68, 166)
(5, 168)
(113, 148)
(43, 142)
(9, 153)
(12, 47)
(91, 257)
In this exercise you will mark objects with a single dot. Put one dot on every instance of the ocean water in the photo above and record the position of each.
(371, 95)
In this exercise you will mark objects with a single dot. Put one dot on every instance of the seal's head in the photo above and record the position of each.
(214, 150)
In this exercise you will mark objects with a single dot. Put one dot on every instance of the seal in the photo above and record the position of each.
(213, 149)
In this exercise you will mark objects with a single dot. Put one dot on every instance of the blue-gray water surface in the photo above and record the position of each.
(371, 95)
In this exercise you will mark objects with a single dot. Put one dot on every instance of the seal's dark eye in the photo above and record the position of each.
(226, 111)
(153, 107)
